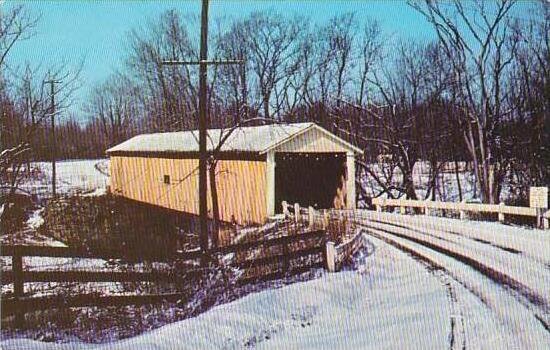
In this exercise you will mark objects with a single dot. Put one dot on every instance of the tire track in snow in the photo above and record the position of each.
(534, 301)
(413, 227)
(524, 243)
(510, 281)
(457, 336)
(454, 269)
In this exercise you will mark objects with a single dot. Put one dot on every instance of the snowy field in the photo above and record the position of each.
(73, 176)
(88, 177)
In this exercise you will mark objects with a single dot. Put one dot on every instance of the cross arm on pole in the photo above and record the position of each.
(212, 62)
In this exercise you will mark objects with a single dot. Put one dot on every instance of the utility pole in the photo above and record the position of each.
(203, 120)
(52, 83)
(203, 125)
(30, 114)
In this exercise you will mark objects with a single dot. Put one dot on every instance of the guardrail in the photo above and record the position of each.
(351, 243)
(542, 216)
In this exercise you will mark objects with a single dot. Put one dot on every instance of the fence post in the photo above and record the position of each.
(463, 214)
(326, 219)
(501, 214)
(541, 221)
(311, 216)
(18, 284)
(285, 208)
(297, 212)
(545, 221)
(380, 205)
(330, 256)
(426, 209)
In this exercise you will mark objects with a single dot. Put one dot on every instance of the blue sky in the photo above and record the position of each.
(94, 31)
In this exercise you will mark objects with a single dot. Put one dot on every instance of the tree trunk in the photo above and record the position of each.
(458, 181)
(215, 203)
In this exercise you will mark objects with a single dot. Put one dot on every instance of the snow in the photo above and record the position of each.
(390, 300)
(502, 322)
(245, 139)
(35, 220)
(521, 255)
(73, 176)
(366, 308)
(257, 139)
(97, 192)
(534, 243)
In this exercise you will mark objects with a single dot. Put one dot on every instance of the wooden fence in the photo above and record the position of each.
(542, 216)
(343, 238)
(289, 257)
(338, 253)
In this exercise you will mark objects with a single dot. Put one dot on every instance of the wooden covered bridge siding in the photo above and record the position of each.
(245, 181)
(239, 183)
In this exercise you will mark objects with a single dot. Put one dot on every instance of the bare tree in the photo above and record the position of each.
(24, 104)
(273, 55)
(370, 54)
(168, 95)
(115, 105)
(479, 69)
(16, 24)
(526, 134)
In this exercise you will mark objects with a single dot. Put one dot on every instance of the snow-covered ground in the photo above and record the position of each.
(84, 177)
(392, 299)
(73, 176)
(446, 181)
(366, 308)
(506, 267)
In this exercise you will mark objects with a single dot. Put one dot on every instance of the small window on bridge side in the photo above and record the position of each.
(167, 179)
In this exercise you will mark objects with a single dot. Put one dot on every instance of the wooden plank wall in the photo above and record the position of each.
(241, 185)
(313, 141)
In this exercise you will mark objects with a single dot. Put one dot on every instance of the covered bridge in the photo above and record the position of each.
(258, 168)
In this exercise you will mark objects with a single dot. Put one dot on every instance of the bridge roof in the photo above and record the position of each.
(256, 139)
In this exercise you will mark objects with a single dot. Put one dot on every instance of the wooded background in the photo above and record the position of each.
(478, 93)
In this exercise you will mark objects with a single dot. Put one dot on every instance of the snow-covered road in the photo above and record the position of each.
(506, 268)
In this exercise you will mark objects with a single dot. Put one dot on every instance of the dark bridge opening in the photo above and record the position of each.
(311, 179)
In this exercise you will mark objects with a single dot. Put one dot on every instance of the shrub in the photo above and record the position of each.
(15, 212)
(110, 223)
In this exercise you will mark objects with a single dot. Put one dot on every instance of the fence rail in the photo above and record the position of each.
(68, 252)
(542, 215)
(293, 250)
